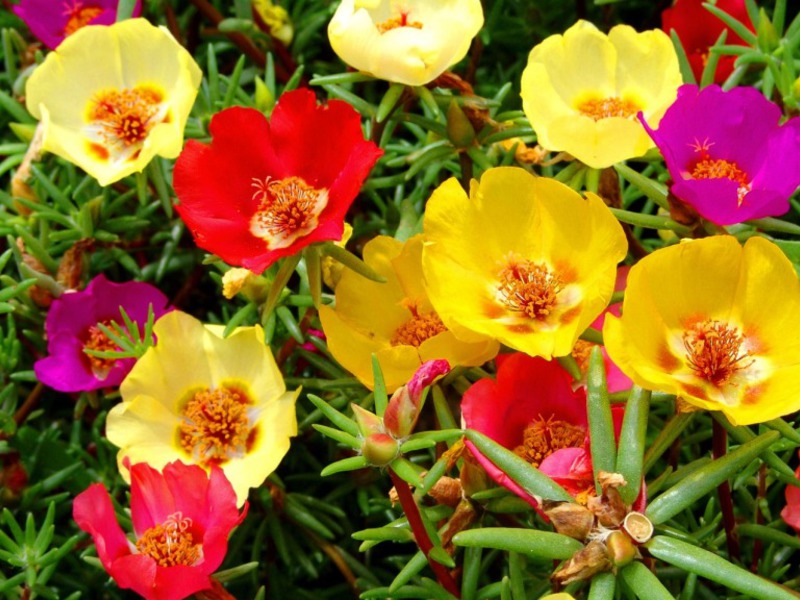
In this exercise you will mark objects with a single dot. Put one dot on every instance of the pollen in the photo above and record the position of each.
(543, 437)
(605, 108)
(715, 351)
(708, 168)
(420, 327)
(123, 118)
(581, 352)
(530, 288)
(171, 543)
(79, 16)
(396, 22)
(287, 209)
(100, 342)
(214, 426)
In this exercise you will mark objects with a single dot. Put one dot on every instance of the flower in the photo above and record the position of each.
(524, 260)
(181, 520)
(582, 90)
(727, 154)
(533, 410)
(112, 98)
(405, 41)
(205, 399)
(71, 328)
(264, 189)
(51, 21)
(393, 320)
(708, 320)
(698, 30)
(791, 512)
(275, 20)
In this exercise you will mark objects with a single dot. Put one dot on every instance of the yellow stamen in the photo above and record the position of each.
(123, 118)
(530, 288)
(287, 209)
(99, 341)
(215, 426)
(715, 351)
(79, 16)
(395, 22)
(604, 108)
(171, 543)
(543, 437)
(418, 328)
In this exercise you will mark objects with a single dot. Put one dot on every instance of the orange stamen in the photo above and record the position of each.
(215, 426)
(124, 117)
(287, 209)
(100, 342)
(171, 543)
(708, 168)
(543, 437)
(530, 288)
(604, 108)
(418, 328)
(79, 16)
(395, 22)
(714, 350)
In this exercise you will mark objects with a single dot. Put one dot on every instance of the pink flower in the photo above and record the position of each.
(53, 20)
(791, 512)
(181, 520)
(71, 328)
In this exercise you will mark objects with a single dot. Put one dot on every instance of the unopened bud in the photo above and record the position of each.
(569, 518)
(621, 550)
(380, 449)
(460, 131)
(244, 282)
(368, 423)
(638, 526)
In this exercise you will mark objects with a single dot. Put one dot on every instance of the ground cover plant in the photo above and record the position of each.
(399, 299)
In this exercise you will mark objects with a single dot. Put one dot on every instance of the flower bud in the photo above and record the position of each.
(460, 131)
(404, 406)
(380, 449)
(368, 423)
(251, 286)
(621, 550)
(570, 519)
(585, 564)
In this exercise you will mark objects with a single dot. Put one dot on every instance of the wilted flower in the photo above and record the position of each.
(582, 90)
(728, 156)
(53, 20)
(72, 327)
(264, 189)
(181, 520)
(112, 98)
(702, 320)
(202, 398)
(409, 41)
(524, 260)
(698, 30)
(393, 320)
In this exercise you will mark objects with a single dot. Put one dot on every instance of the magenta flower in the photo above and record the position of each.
(53, 20)
(727, 154)
(181, 520)
(71, 327)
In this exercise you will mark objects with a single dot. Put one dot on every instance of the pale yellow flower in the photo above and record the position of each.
(111, 98)
(582, 91)
(405, 41)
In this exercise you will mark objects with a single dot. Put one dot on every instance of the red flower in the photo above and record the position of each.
(264, 189)
(698, 30)
(181, 518)
(533, 410)
(791, 512)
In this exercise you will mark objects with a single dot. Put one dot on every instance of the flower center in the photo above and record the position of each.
(581, 352)
(395, 22)
(709, 168)
(79, 16)
(418, 328)
(100, 342)
(170, 543)
(714, 350)
(543, 437)
(287, 209)
(215, 426)
(604, 108)
(530, 288)
(121, 119)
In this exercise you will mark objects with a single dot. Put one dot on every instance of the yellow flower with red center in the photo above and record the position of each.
(582, 90)
(405, 41)
(524, 260)
(393, 320)
(112, 98)
(715, 324)
(201, 398)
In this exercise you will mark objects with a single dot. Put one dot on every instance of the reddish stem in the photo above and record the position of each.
(421, 536)
(719, 443)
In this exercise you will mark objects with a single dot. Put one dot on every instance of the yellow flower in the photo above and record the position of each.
(277, 20)
(405, 41)
(204, 399)
(524, 260)
(394, 320)
(110, 98)
(581, 91)
(716, 324)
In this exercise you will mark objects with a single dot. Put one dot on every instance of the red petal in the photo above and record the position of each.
(94, 513)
